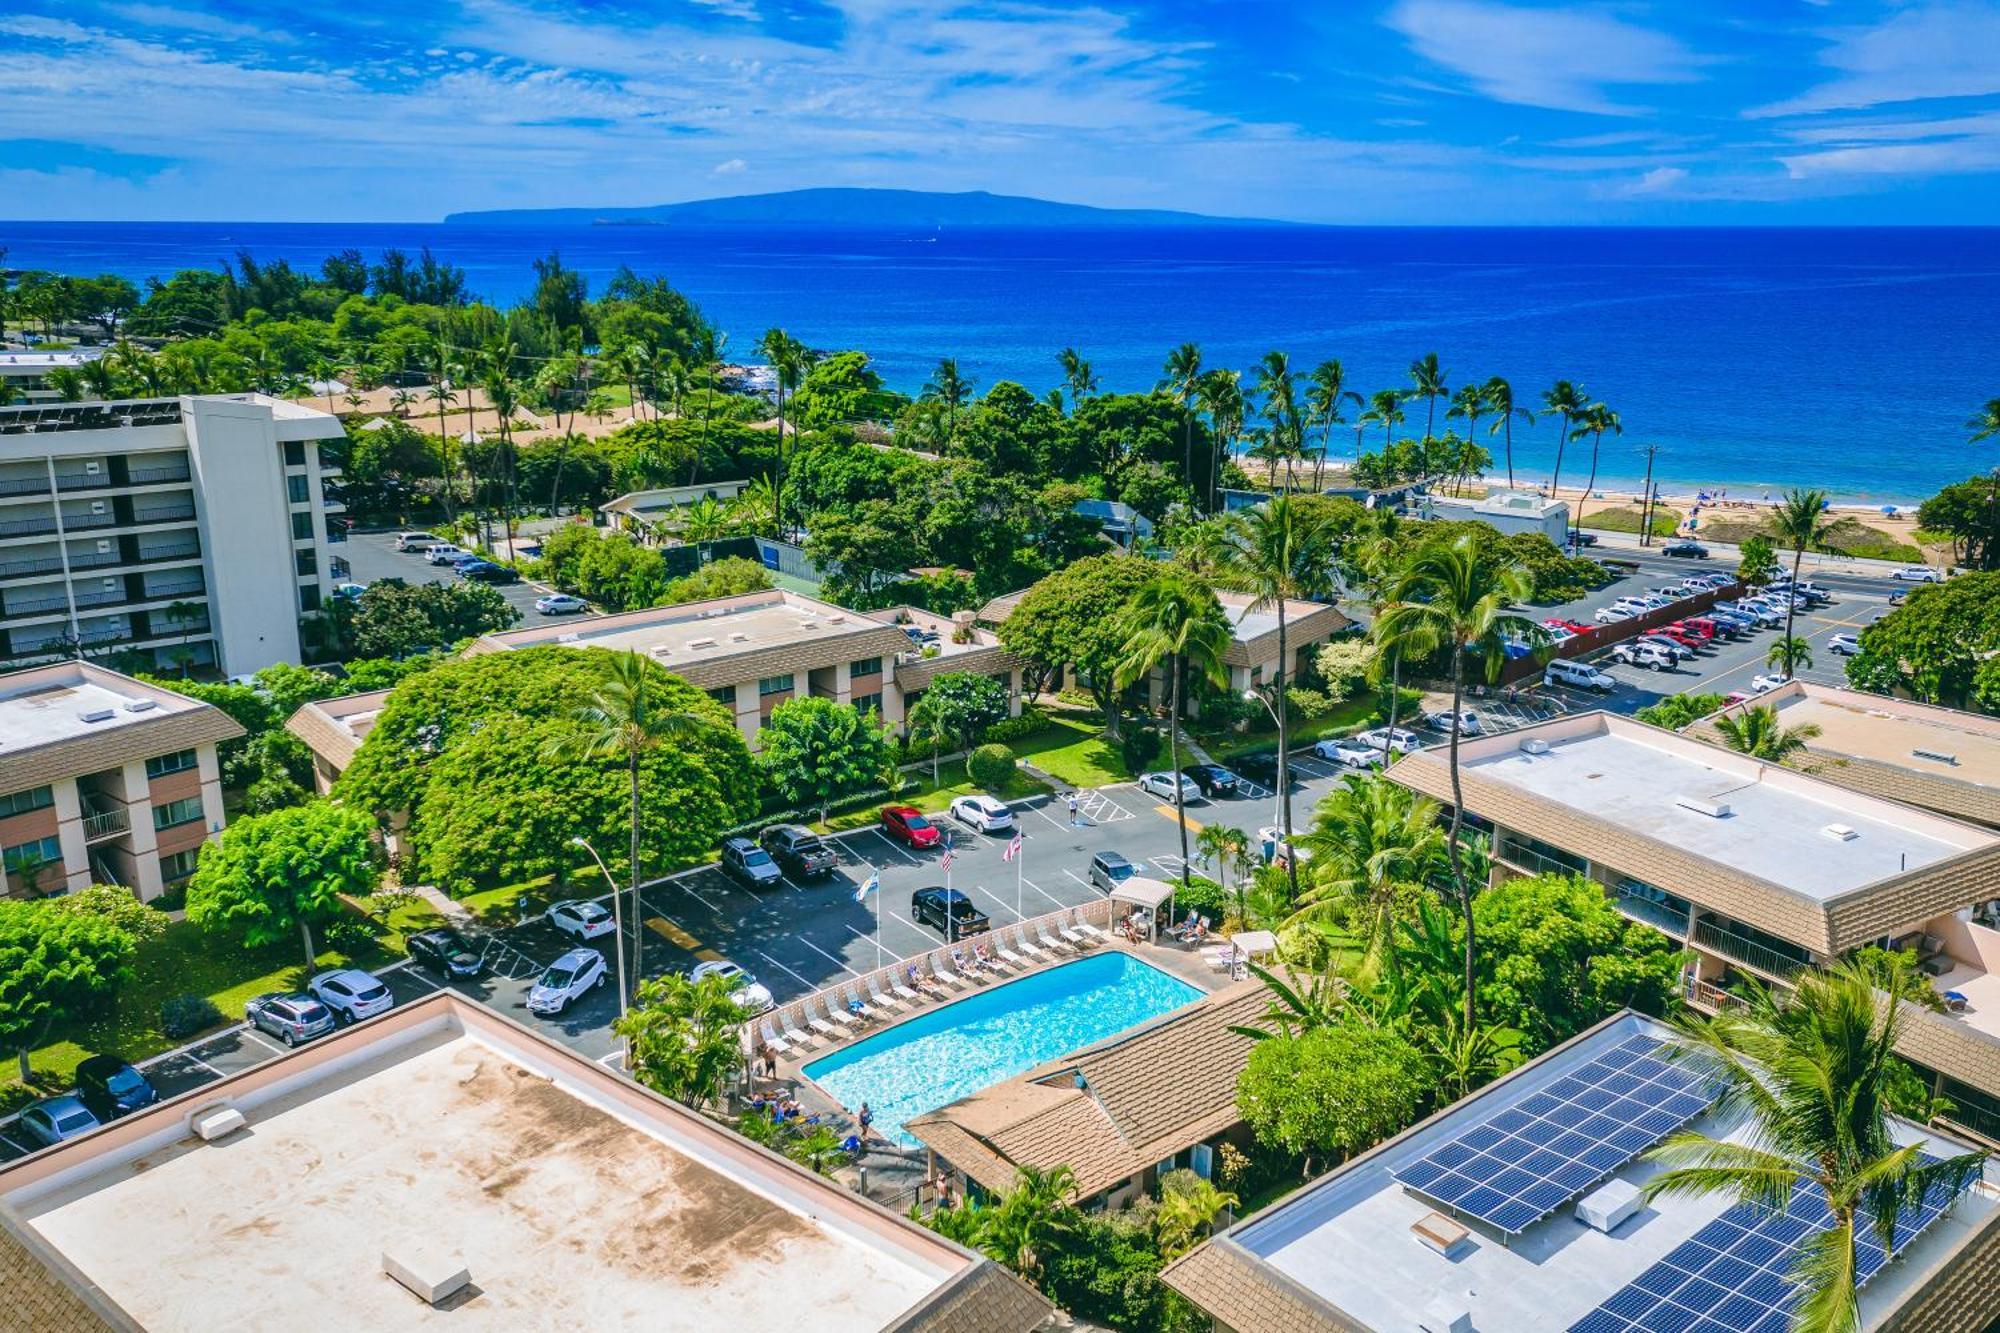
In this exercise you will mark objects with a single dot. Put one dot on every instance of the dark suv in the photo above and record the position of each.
(950, 911)
(1213, 779)
(110, 1087)
(749, 865)
(799, 851)
(444, 951)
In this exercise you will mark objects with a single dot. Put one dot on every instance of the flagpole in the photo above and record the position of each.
(1019, 857)
(876, 876)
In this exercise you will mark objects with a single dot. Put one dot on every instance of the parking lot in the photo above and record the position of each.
(373, 555)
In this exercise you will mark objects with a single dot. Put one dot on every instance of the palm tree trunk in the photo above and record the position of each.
(1174, 759)
(1596, 441)
(1395, 697)
(1792, 605)
(638, 941)
(1284, 785)
(1562, 443)
(1510, 449)
(778, 492)
(1458, 883)
(306, 937)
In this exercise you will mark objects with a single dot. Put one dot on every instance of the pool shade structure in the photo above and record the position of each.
(1149, 894)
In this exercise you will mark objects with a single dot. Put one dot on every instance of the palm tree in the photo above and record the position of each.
(1567, 401)
(1810, 1074)
(1038, 1211)
(949, 387)
(1279, 388)
(1385, 409)
(1594, 421)
(705, 520)
(1799, 522)
(1370, 839)
(1180, 377)
(755, 507)
(1326, 391)
(1986, 423)
(1281, 555)
(625, 720)
(1219, 845)
(1188, 1208)
(441, 393)
(183, 614)
(1756, 732)
(1222, 398)
(1427, 381)
(1469, 404)
(1788, 654)
(1174, 621)
(1077, 376)
(787, 356)
(1454, 596)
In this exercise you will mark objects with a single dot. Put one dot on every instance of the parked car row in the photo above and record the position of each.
(466, 564)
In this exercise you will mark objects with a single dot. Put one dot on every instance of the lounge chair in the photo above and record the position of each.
(821, 1025)
(946, 975)
(1097, 933)
(772, 1039)
(907, 994)
(1029, 947)
(875, 993)
(855, 1005)
(1076, 938)
(1005, 954)
(792, 1034)
(1050, 942)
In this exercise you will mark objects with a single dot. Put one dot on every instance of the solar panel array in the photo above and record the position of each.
(1520, 1165)
(1731, 1277)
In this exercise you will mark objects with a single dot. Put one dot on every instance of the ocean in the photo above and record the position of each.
(1756, 359)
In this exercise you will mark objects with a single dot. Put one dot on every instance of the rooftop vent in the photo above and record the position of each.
(701, 643)
(836, 620)
(1447, 1313)
(1534, 745)
(96, 715)
(430, 1275)
(215, 1122)
(571, 637)
(1840, 833)
(1435, 1231)
(661, 650)
(1703, 805)
(1936, 757)
(141, 705)
(738, 636)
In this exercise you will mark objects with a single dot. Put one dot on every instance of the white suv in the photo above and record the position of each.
(415, 541)
(351, 994)
(567, 979)
(443, 553)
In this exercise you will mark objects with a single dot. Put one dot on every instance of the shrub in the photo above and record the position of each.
(1033, 719)
(185, 1015)
(1139, 746)
(1202, 896)
(991, 766)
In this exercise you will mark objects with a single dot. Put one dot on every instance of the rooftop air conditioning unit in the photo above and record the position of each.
(836, 620)
(571, 637)
(1936, 756)
(1703, 805)
(661, 650)
(1534, 745)
(701, 643)
(1840, 833)
(141, 705)
(738, 636)
(96, 715)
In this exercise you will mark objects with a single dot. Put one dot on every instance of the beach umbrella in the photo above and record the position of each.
(1890, 510)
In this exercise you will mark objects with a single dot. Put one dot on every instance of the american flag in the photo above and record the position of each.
(944, 862)
(1013, 848)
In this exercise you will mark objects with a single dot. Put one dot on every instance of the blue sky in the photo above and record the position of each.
(1426, 111)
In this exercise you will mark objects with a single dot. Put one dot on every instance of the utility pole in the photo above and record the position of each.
(1646, 509)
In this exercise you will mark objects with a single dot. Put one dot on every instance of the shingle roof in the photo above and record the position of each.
(40, 1291)
(1247, 1295)
(988, 1299)
(1145, 1096)
(180, 723)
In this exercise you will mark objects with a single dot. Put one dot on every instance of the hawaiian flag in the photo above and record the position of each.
(873, 883)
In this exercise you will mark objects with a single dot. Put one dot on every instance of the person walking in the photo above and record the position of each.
(1073, 821)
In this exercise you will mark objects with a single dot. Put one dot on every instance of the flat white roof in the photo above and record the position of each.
(701, 631)
(574, 1203)
(1347, 1239)
(1246, 624)
(49, 704)
(1776, 821)
(1920, 738)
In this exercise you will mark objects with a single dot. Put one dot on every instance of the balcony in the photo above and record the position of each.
(1706, 995)
(1751, 953)
(85, 522)
(24, 485)
(163, 514)
(1641, 905)
(41, 564)
(40, 604)
(27, 527)
(83, 481)
(105, 819)
(161, 554)
(154, 476)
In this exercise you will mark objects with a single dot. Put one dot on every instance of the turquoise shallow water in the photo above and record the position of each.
(995, 1034)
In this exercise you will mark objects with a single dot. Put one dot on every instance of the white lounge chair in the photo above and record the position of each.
(1005, 954)
(821, 1025)
(1050, 942)
(947, 976)
(792, 1034)
(875, 993)
(1028, 946)
(1076, 937)
(772, 1039)
(1097, 933)
(851, 998)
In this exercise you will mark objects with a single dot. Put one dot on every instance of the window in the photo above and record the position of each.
(180, 761)
(307, 560)
(295, 453)
(180, 865)
(43, 851)
(35, 798)
(298, 489)
(724, 694)
(775, 684)
(308, 597)
(864, 702)
(302, 527)
(867, 666)
(187, 810)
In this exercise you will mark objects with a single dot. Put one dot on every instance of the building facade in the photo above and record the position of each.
(1756, 870)
(1508, 512)
(104, 780)
(171, 531)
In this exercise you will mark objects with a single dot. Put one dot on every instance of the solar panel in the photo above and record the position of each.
(1519, 1165)
(1733, 1274)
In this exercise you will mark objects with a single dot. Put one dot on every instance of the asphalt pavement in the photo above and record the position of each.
(373, 555)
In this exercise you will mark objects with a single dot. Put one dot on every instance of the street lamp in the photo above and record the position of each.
(618, 926)
(1278, 787)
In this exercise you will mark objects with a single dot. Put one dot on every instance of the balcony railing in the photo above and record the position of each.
(28, 606)
(162, 514)
(84, 522)
(22, 527)
(1648, 912)
(41, 564)
(106, 823)
(152, 476)
(1733, 946)
(195, 589)
(24, 485)
(83, 481)
(190, 551)
(1709, 996)
(95, 559)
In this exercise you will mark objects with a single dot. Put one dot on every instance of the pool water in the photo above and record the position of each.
(973, 1043)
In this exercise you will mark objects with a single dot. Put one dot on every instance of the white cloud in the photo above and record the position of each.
(1563, 59)
(1660, 180)
(735, 166)
(1926, 51)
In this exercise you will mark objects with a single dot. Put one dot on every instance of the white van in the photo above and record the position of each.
(415, 541)
(1578, 675)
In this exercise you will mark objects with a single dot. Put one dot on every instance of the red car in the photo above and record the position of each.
(1680, 635)
(1573, 626)
(1701, 629)
(907, 825)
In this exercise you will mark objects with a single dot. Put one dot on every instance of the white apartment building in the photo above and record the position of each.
(171, 527)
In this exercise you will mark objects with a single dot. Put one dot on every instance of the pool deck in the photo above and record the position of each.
(889, 1164)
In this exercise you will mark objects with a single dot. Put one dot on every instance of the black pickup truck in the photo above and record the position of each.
(799, 851)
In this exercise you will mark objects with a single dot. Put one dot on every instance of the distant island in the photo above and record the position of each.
(920, 209)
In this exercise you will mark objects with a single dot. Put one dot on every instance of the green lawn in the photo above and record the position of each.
(1076, 752)
(932, 796)
(1625, 518)
(1350, 715)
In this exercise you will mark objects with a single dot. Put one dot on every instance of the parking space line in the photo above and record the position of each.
(16, 1144)
(263, 1040)
(824, 954)
(1078, 878)
(203, 1063)
(809, 985)
(1044, 892)
(689, 887)
(892, 845)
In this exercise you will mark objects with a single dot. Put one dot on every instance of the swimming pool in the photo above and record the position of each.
(956, 1050)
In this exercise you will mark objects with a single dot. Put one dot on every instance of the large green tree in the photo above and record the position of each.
(54, 964)
(1940, 645)
(1969, 513)
(395, 622)
(1070, 618)
(682, 1037)
(1332, 1090)
(286, 871)
(817, 751)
